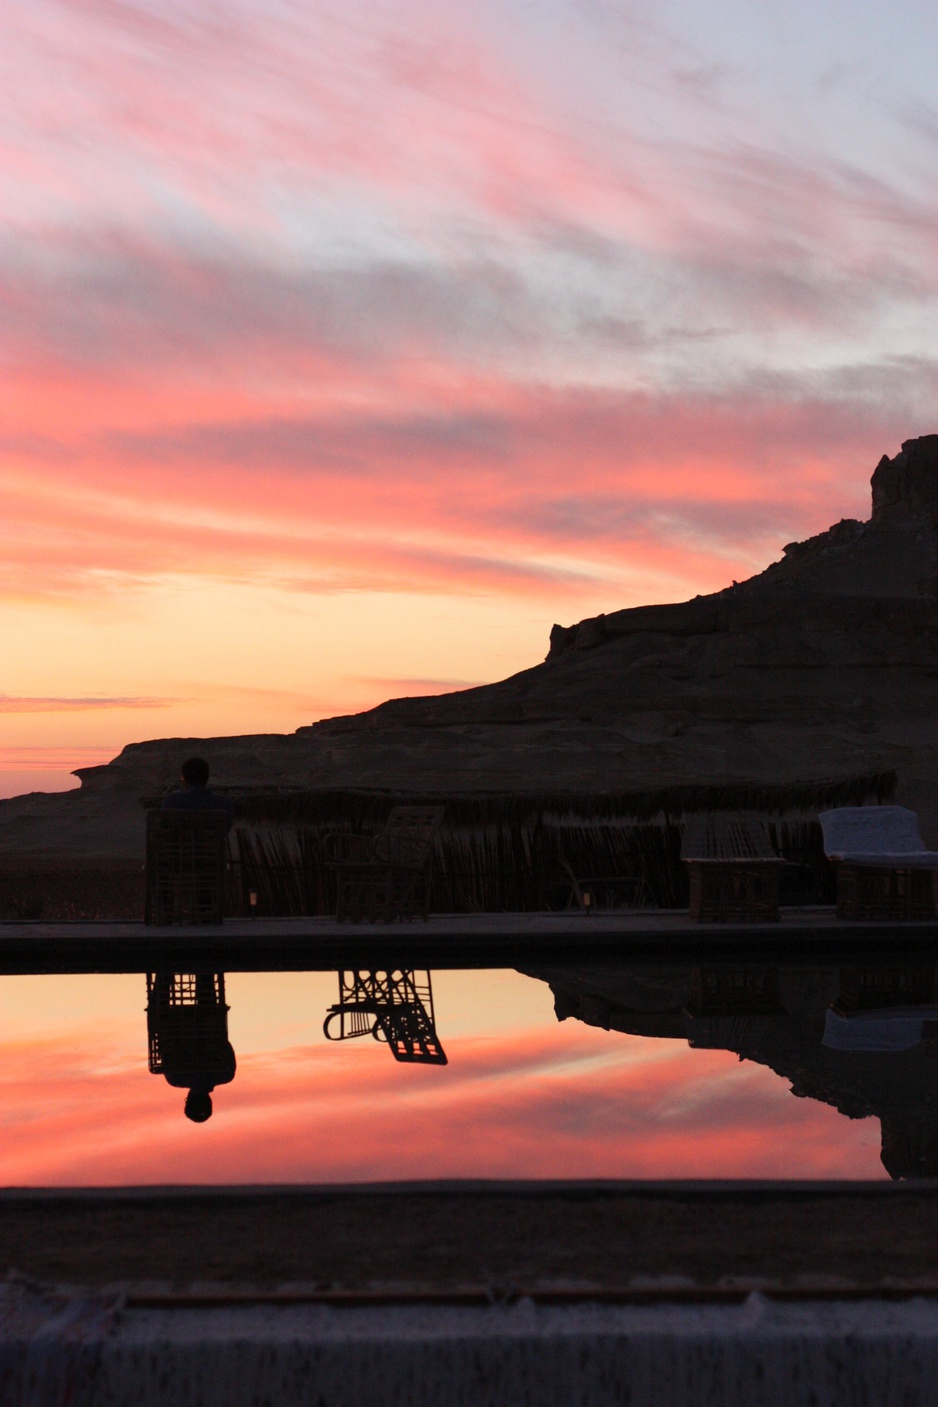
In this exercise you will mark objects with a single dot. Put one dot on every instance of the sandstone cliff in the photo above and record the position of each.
(824, 665)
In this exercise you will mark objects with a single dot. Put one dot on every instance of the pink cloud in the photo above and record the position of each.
(43, 757)
(498, 487)
(536, 1103)
(45, 768)
(486, 331)
(10, 703)
(194, 95)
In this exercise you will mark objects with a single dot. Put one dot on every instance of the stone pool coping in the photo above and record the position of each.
(446, 940)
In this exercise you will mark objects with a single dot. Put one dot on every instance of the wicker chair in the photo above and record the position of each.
(734, 869)
(394, 1007)
(387, 877)
(186, 857)
(884, 871)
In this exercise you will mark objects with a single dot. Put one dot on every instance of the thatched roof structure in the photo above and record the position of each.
(361, 808)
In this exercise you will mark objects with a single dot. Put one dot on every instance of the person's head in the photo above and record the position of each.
(198, 1105)
(195, 772)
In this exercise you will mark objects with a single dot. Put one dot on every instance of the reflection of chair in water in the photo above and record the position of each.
(877, 988)
(187, 1025)
(883, 1009)
(729, 1004)
(396, 1007)
(730, 990)
(186, 853)
(387, 876)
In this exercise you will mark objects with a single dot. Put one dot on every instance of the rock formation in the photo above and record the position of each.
(824, 665)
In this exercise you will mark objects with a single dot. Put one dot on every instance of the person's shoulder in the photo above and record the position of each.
(197, 799)
(214, 802)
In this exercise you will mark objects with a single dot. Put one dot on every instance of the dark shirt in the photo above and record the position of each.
(198, 799)
(221, 1072)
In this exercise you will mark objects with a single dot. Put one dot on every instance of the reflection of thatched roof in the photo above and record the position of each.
(360, 806)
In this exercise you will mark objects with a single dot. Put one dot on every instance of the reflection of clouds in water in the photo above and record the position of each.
(860, 1038)
(543, 1101)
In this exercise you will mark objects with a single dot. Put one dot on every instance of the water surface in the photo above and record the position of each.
(646, 1070)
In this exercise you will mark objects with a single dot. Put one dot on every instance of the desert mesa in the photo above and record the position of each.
(819, 672)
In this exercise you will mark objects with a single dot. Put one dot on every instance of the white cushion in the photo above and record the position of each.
(887, 836)
(871, 1032)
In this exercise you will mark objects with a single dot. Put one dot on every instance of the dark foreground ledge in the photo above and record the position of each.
(606, 1294)
(556, 1241)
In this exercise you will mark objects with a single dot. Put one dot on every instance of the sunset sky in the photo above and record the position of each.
(346, 348)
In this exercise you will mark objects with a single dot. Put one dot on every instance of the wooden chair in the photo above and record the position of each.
(884, 871)
(387, 877)
(186, 858)
(618, 891)
(733, 869)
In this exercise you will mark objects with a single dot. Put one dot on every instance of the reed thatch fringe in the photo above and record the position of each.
(364, 807)
(505, 868)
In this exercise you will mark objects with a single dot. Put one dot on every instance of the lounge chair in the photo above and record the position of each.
(734, 869)
(884, 871)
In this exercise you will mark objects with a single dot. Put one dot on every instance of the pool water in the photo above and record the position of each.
(640, 1071)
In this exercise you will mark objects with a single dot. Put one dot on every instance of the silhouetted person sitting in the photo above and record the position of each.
(194, 794)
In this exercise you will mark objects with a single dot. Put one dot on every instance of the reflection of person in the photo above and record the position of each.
(194, 794)
(195, 1052)
(201, 1083)
(199, 1104)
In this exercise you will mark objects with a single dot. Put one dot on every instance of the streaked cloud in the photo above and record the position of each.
(531, 1102)
(45, 758)
(581, 305)
(399, 687)
(11, 704)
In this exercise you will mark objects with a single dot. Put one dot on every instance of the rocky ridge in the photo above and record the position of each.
(823, 665)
